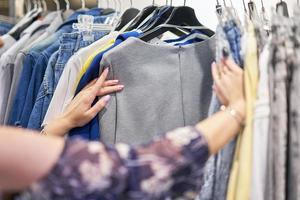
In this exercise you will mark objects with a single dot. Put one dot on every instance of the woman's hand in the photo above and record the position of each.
(229, 84)
(80, 111)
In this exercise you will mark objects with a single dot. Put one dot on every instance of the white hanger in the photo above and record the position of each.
(82, 4)
(67, 4)
(44, 5)
(57, 4)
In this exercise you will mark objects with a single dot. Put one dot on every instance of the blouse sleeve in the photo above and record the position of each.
(169, 167)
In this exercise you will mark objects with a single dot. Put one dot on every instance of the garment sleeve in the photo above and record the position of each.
(168, 167)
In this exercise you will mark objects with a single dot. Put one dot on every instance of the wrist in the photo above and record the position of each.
(240, 107)
(66, 123)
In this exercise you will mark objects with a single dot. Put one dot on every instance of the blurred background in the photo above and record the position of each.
(205, 9)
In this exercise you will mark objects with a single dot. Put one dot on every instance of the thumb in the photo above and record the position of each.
(93, 111)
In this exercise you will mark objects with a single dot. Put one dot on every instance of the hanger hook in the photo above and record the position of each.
(57, 4)
(184, 3)
(131, 4)
(153, 2)
(67, 4)
(224, 2)
(244, 4)
(44, 5)
(83, 4)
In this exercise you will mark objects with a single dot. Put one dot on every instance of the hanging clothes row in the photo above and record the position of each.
(148, 52)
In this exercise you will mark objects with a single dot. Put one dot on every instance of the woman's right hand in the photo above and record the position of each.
(81, 109)
(229, 84)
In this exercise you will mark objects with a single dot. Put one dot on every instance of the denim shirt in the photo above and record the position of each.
(70, 43)
(91, 131)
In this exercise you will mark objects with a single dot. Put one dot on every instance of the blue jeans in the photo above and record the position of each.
(70, 43)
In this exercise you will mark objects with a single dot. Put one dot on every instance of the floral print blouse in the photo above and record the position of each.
(167, 168)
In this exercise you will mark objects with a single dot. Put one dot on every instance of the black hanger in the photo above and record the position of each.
(218, 8)
(251, 7)
(282, 5)
(181, 16)
(141, 17)
(127, 16)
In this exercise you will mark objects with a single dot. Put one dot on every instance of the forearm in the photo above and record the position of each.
(25, 157)
(220, 128)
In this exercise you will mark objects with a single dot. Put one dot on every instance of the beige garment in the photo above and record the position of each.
(240, 178)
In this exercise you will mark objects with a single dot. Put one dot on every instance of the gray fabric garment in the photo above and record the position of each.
(293, 184)
(166, 87)
(294, 130)
(14, 84)
(278, 131)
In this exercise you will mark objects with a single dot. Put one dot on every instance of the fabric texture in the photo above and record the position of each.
(278, 130)
(169, 168)
(186, 90)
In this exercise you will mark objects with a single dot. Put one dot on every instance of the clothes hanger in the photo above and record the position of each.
(251, 8)
(218, 8)
(45, 5)
(282, 7)
(145, 13)
(180, 16)
(161, 15)
(127, 16)
(57, 4)
(83, 4)
(68, 5)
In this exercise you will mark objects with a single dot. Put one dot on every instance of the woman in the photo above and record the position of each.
(52, 168)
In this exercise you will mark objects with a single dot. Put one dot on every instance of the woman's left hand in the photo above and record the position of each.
(81, 111)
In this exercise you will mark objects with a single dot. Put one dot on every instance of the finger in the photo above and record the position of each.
(100, 81)
(93, 111)
(232, 66)
(110, 83)
(215, 72)
(110, 89)
(90, 84)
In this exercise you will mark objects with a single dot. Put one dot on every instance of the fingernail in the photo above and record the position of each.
(121, 86)
(116, 81)
(106, 98)
(106, 70)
